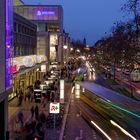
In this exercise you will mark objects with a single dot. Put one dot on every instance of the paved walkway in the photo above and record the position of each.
(13, 109)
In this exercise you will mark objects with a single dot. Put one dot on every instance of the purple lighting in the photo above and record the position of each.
(40, 13)
(46, 13)
(9, 42)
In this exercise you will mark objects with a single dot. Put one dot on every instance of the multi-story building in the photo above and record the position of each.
(18, 2)
(25, 45)
(27, 66)
(6, 49)
(49, 21)
(64, 41)
(25, 38)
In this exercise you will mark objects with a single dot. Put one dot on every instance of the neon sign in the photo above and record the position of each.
(40, 13)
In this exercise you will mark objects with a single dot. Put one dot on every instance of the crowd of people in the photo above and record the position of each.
(39, 121)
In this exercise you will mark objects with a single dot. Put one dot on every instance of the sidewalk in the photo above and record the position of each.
(13, 109)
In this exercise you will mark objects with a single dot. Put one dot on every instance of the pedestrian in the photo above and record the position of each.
(48, 94)
(32, 111)
(32, 94)
(29, 94)
(20, 118)
(20, 97)
(52, 96)
(36, 112)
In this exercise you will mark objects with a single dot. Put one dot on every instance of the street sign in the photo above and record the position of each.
(54, 108)
(37, 95)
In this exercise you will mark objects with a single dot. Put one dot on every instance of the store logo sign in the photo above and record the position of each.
(41, 13)
(54, 108)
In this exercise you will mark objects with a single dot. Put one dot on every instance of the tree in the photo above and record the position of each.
(133, 6)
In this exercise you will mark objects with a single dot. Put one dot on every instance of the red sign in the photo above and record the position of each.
(14, 68)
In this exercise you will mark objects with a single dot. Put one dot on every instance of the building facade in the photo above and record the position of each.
(64, 44)
(49, 21)
(18, 2)
(6, 49)
(25, 36)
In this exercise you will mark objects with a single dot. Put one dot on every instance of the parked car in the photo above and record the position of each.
(118, 69)
(135, 75)
(126, 71)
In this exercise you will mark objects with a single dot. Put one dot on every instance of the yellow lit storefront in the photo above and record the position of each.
(27, 77)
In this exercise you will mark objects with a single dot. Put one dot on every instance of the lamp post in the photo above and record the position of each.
(65, 52)
(65, 57)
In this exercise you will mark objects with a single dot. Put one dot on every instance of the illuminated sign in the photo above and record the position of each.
(54, 108)
(28, 61)
(14, 69)
(40, 13)
(45, 13)
(61, 91)
(77, 90)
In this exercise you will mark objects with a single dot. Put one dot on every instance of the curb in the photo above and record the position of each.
(65, 119)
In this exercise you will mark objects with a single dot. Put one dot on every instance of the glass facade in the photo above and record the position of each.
(9, 42)
(41, 27)
(53, 45)
(38, 13)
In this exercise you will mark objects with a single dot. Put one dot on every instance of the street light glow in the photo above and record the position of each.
(78, 50)
(71, 49)
(65, 46)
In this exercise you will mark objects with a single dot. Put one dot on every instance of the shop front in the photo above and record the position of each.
(26, 78)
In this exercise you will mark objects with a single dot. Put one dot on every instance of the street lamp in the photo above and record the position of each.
(65, 53)
(71, 49)
(65, 47)
(78, 50)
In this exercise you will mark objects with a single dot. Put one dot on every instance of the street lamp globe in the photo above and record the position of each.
(65, 46)
(71, 49)
(78, 50)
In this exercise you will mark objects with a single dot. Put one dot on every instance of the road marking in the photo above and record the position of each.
(77, 115)
(80, 113)
(81, 134)
(77, 138)
(94, 134)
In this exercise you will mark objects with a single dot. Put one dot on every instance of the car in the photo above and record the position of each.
(118, 69)
(107, 68)
(126, 71)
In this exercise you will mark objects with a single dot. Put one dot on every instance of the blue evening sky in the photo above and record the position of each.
(88, 18)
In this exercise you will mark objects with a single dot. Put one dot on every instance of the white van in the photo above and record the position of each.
(135, 75)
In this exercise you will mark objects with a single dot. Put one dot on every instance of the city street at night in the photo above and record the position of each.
(70, 70)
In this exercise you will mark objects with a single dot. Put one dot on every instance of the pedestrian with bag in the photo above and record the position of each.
(36, 112)
(32, 112)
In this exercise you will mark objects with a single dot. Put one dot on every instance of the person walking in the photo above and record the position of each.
(20, 98)
(32, 112)
(32, 94)
(36, 112)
